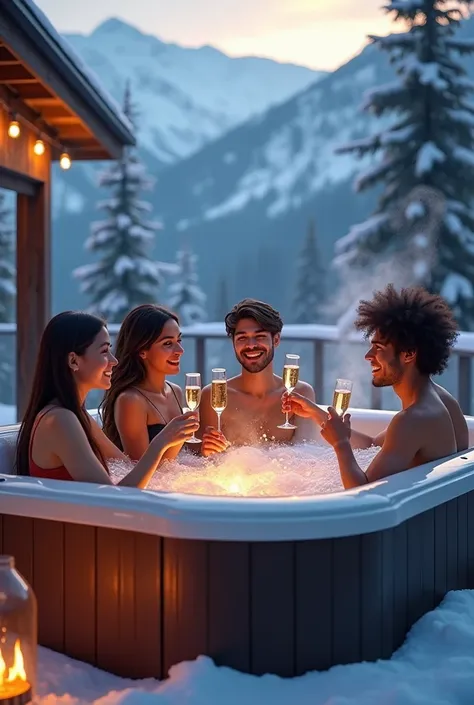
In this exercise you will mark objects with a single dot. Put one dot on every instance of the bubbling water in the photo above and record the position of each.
(267, 471)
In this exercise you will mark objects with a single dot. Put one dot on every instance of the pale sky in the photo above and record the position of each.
(318, 33)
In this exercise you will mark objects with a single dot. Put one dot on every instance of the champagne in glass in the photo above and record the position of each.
(291, 372)
(219, 393)
(193, 397)
(342, 395)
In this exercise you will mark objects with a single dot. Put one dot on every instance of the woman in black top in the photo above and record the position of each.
(141, 401)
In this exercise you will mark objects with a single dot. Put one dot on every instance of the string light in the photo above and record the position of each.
(65, 161)
(39, 148)
(14, 129)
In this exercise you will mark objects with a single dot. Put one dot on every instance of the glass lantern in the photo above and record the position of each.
(18, 636)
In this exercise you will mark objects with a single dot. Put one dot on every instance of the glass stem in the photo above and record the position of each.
(287, 419)
(218, 421)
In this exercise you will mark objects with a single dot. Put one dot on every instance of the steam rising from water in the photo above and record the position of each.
(268, 471)
(416, 222)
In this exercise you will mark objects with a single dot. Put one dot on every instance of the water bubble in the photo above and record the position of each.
(268, 471)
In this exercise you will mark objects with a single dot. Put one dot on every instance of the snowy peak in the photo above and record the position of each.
(186, 97)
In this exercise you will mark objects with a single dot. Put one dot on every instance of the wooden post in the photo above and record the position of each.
(33, 255)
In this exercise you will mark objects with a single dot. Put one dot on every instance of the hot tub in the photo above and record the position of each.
(136, 581)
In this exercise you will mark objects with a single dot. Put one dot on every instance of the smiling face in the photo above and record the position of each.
(93, 370)
(164, 355)
(254, 347)
(388, 366)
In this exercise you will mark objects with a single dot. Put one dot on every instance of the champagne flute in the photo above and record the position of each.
(219, 393)
(193, 397)
(291, 372)
(342, 395)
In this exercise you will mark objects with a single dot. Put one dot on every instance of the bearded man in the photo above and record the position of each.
(253, 411)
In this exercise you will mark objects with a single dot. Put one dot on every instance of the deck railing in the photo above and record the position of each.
(325, 340)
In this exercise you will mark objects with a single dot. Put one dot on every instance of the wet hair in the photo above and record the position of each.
(411, 319)
(265, 315)
(70, 331)
(139, 330)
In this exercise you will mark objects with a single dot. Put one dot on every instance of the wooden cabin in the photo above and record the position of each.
(60, 111)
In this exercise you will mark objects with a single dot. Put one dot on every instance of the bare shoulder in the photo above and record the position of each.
(59, 418)
(61, 426)
(131, 398)
(233, 383)
(206, 391)
(409, 420)
(306, 390)
(448, 400)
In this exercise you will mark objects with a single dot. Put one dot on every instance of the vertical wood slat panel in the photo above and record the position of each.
(428, 554)
(388, 569)
(185, 600)
(313, 613)
(399, 585)
(371, 601)
(470, 540)
(451, 544)
(48, 571)
(18, 541)
(108, 587)
(463, 556)
(273, 610)
(80, 592)
(440, 579)
(346, 597)
(414, 554)
(148, 600)
(229, 604)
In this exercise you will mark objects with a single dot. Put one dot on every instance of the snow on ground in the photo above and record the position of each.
(435, 666)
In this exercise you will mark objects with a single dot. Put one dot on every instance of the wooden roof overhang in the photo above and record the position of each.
(43, 82)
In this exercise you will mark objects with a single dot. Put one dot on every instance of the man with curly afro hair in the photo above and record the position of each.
(411, 334)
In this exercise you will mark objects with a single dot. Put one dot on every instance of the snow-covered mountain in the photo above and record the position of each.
(243, 202)
(186, 97)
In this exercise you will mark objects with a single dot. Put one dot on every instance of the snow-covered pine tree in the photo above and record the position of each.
(124, 275)
(7, 267)
(309, 291)
(185, 295)
(430, 143)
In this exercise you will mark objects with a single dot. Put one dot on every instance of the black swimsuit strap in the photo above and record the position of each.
(154, 405)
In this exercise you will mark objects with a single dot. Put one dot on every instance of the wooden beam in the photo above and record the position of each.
(33, 285)
(13, 73)
(53, 78)
(17, 182)
(17, 105)
(30, 91)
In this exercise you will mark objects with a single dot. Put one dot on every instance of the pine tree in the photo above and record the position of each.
(124, 275)
(309, 293)
(185, 294)
(429, 144)
(7, 268)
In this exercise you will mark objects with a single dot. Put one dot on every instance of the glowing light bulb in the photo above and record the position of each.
(39, 147)
(65, 161)
(14, 129)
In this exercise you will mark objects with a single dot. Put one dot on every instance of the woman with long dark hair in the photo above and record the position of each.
(58, 439)
(141, 401)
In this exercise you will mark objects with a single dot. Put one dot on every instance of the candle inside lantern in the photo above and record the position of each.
(18, 636)
(13, 679)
